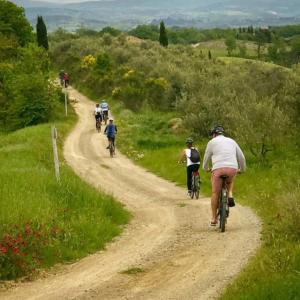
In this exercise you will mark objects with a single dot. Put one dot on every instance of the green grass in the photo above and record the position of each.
(133, 271)
(56, 221)
(271, 189)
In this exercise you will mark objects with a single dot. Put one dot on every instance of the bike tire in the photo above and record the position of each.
(98, 127)
(222, 211)
(111, 151)
(197, 187)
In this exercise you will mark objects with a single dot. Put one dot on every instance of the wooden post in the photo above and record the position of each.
(55, 153)
(66, 102)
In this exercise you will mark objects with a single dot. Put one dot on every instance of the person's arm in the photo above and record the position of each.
(116, 129)
(182, 157)
(240, 158)
(105, 130)
(207, 157)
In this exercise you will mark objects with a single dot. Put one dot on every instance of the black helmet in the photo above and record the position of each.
(189, 141)
(219, 129)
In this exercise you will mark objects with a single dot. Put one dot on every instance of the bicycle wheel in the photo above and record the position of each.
(197, 187)
(98, 126)
(111, 150)
(222, 210)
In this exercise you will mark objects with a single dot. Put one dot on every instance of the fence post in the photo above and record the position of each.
(66, 102)
(55, 153)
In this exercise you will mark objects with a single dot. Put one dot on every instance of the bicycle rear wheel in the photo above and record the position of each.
(197, 187)
(111, 150)
(222, 210)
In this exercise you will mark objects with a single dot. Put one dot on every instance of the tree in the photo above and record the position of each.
(41, 33)
(163, 38)
(13, 23)
(209, 55)
(230, 43)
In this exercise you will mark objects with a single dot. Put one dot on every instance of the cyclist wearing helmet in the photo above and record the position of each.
(193, 164)
(110, 131)
(105, 108)
(227, 159)
(98, 113)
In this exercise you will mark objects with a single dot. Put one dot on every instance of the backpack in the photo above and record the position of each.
(195, 155)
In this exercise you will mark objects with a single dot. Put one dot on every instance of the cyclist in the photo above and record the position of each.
(110, 131)
(66, 79)
(98, 113)
(227, 159)
(105, 108)
(192, 157)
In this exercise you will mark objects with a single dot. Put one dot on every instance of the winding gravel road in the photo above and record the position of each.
(169, 240)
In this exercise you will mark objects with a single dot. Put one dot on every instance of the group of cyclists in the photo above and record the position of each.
(223, 157)
(64, 78)
(101, 115)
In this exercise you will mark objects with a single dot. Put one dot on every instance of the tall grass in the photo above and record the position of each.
(42, 221)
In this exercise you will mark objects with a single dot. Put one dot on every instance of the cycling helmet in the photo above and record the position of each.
(217, 130)
(111, 119)
(189, 141)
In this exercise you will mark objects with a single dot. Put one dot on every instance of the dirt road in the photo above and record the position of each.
(169, 242)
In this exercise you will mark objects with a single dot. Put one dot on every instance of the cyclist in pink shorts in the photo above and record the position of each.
(228, 159)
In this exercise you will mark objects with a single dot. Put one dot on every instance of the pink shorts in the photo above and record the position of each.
(216, 181)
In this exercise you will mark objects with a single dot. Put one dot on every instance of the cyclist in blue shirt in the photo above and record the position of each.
(110, 131)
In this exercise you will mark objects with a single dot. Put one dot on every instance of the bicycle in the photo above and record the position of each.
(98, 124)
(195, 185)
(111, 148)
(105, 117)
(223, 207)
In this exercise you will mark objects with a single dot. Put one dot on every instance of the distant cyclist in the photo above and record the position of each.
(227, 159)
(110, 131)
(98, 113)
(105, 108)
(192, 157)
(66, 79)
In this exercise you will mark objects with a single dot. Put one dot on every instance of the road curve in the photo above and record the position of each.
(168, 239)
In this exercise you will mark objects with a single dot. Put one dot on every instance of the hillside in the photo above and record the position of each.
(126, 14)
(257, 103)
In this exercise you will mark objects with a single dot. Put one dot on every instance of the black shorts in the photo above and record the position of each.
(98, 117)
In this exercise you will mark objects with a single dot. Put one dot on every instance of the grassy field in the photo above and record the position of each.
(271, 189)
(44, 222)
(218, 48)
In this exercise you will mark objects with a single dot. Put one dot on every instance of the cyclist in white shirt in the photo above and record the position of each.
(98, 113)
(227, 159)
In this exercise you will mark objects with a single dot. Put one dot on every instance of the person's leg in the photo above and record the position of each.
(216, 187)
(189, 178)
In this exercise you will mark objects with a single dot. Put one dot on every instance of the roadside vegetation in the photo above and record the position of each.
(43, 221)
(163, 95)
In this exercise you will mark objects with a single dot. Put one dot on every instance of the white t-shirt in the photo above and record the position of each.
(98, 110)
(224, 152)
(188, 155)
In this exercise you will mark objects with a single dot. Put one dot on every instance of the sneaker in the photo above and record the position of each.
(213, 224)
(231, 202)
(107, 147)
(189, 193)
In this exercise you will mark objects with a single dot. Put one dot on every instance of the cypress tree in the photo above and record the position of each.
(163, 38)
(41, 33)
(209, 55)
